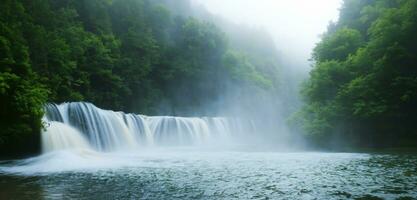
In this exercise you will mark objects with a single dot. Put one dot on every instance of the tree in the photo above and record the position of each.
(365, 76)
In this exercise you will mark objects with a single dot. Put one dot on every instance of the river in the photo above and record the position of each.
(190, 173)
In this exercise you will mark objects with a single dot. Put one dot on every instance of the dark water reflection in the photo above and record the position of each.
(223, 175)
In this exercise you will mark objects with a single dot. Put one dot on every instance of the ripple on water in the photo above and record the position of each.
(211, 175)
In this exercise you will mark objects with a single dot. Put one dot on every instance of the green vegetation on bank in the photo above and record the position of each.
(143, 56)
(363, 88)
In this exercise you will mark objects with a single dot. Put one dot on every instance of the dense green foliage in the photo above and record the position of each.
(143, 56)
(21, 94)
(363, 87)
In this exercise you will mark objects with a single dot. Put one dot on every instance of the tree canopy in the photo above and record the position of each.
(363, 88)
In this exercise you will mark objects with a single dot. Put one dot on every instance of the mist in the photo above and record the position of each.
(295, 26)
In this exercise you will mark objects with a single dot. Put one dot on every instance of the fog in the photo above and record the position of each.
(295, 25)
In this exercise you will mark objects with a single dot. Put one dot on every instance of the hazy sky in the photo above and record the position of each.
(294, 24)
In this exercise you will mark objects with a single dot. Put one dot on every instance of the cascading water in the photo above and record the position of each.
(81, 125)
(59, 136)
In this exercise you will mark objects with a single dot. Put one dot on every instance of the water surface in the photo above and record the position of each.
(196, 174)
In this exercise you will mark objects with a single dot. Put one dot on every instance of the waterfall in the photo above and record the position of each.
(82, 125)
(59, 136)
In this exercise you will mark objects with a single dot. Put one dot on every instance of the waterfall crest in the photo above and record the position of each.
(83, 125)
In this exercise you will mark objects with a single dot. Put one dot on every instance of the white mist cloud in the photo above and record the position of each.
(294, 24)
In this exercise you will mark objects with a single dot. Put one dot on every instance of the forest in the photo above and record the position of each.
(142, 56)
(362, 90)
(160, 58)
